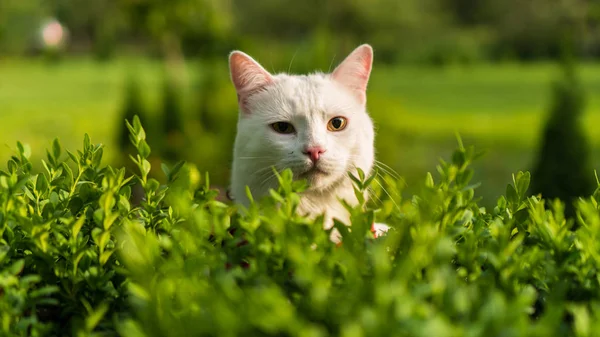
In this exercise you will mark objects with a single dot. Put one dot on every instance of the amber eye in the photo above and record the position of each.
(283, 127)
(337, 124)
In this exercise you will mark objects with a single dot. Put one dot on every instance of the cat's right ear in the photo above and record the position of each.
(248, 77)
(354, 71)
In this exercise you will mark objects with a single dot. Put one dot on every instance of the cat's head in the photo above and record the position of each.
(315, 124)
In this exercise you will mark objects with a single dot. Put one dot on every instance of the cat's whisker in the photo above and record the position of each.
(388, 194)
(263, 174)
(292, 61)
(381, 176)
(268, 167)
(331, 64)
(372, 196)
(254, 157)
(266, 171)
(387, 169)
(266, 180)
(380, 163)
(272, 68)
(381, 170)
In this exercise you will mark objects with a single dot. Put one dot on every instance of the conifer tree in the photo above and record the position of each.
(132, 105)
(172, 119)
(563, 169)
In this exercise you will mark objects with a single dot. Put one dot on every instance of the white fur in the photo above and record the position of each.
(308, 102)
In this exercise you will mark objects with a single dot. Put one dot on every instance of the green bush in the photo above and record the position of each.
(563, 168)
(172, 117)
(133, 105)
(78, 259)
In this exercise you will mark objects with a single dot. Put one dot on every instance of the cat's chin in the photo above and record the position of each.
(313, 173)
(318, 179)
(314, 176)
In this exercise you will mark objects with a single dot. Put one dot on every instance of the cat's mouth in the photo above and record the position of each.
(313, 171)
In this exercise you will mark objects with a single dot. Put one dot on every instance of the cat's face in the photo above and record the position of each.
(316, 125)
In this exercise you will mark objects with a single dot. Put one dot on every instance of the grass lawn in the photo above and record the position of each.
(39, 102)
(417, 110)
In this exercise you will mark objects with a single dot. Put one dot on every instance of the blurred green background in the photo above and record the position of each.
(480, 68)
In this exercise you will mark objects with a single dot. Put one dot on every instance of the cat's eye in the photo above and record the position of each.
(337, 124)
(283, 127)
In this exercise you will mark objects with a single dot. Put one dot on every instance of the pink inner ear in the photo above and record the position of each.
(354, 71)
(247, 76)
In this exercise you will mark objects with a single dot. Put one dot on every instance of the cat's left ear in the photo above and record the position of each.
(248, 77)
(353, 73)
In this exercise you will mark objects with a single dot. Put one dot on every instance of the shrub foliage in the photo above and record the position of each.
(563, 165)
(77, 258)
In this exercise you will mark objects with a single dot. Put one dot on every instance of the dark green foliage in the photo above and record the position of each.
(207, 88)
(133, 105)
(76, 258)
(563, 169)
(172, 118)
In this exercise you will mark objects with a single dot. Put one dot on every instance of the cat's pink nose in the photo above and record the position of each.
(314, 152)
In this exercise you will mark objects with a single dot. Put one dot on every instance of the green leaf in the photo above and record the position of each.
(97, 157)
(511, 195)
(107, 201)
(152, 184)
(124, 204)
(369, 180)
(73, 157)
(143, 149)
(522, 183)
(356, 181)
(87, 143)
(132, 133)
(41, 184)
(3, 252)
(16, 267)
(582, 320)
(44, 291)
(249, 194)
(4, 182)
(459, 141)
(56, 149)
(105, 256)
(24, 149)
(138, 291)
(459, 158)
(77, 226)
(145, 167)
(53, 198)
(463, 178)
(12, 166)
(175, 170)
(46, 167)
(165, 169)
(361, 174)
(69, 178)
(92, 320)
(429, 180)
(359, 196)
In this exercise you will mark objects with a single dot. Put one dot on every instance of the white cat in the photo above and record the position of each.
(316, 125)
